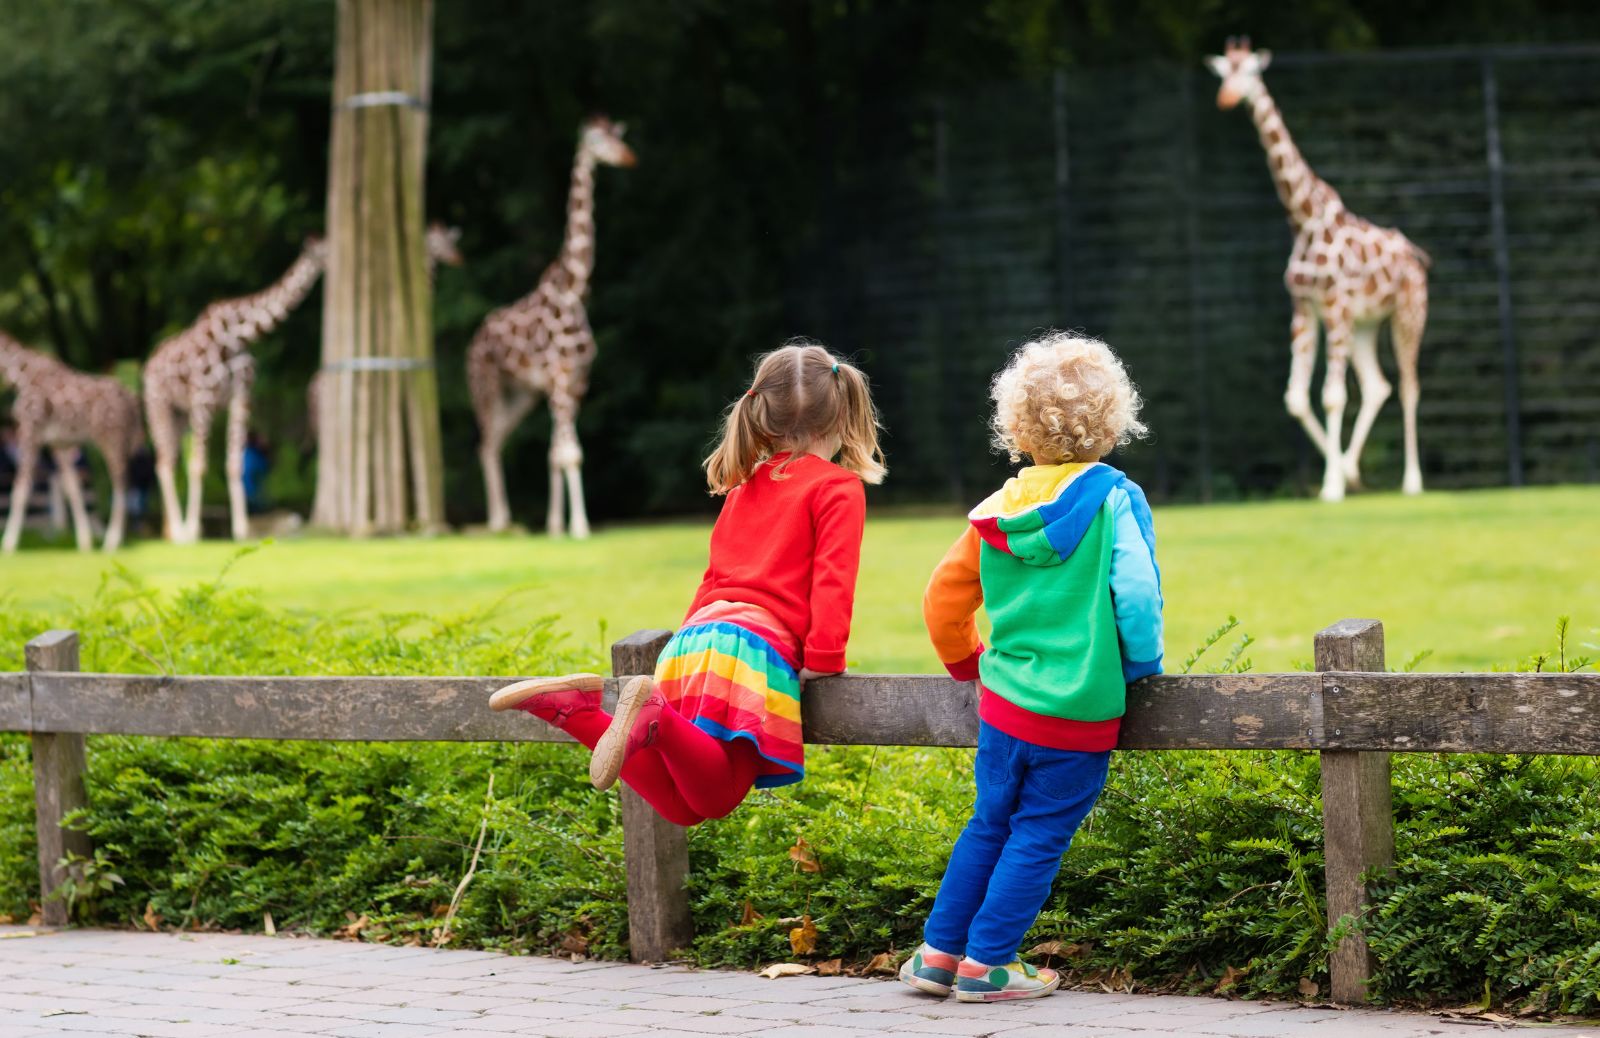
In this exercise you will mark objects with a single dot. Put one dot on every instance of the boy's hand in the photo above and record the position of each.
(806, 674)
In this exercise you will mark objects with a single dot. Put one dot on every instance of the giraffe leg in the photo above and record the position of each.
(566, 461)
(1375, 390)
(164, 434)
(119, 502)
(1334, 397)
(21, 493)
(1302, 365)
(67, 468)
(496, 421)
(1409, 319)
(238, 429)
(556, 513)
(199, 445)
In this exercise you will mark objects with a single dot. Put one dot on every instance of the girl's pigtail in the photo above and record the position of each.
(858, 426)
(742, 448)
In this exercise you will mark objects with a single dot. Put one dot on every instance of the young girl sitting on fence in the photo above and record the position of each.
(723, 712)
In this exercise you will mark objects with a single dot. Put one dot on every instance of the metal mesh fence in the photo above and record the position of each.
(1123, 203)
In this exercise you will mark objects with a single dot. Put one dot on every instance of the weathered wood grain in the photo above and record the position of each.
(15, 714)
(1463, 713)
(1357, 812)
(1451, 713)
(655, 852)
(449, 709)
(1224, 712)
(58, 768)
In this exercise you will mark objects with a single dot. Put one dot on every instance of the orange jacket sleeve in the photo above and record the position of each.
(950, 605)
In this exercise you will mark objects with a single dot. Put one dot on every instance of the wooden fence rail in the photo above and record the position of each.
(1349, 710)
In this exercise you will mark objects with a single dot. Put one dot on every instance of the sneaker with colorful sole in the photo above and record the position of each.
(929, 970)
(979, 983)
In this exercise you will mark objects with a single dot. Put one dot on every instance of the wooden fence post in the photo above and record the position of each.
(58, 766)
(655, 851)
(1357, 811)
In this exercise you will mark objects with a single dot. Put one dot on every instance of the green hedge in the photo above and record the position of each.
(1198, 871)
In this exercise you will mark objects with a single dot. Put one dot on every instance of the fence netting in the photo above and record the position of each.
(1121, 202)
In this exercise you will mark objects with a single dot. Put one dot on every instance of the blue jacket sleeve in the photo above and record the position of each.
(1135, 583)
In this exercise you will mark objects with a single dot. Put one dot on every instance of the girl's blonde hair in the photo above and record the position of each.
(1064, 397)
(802, 397)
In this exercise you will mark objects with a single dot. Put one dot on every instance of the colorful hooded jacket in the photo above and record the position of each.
(1064, 559)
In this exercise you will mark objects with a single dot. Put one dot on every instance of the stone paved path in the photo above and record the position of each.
(119, 983)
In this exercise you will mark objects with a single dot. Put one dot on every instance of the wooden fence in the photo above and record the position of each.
(1349, 710)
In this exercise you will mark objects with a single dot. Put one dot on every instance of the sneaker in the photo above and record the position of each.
(554, 699)
(929, 970)
(978, 983)
(620, 738)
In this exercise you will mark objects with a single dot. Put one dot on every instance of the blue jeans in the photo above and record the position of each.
(1031, 799)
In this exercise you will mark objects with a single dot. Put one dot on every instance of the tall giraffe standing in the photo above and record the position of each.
(207, 365)
(1349, 274)
(59, 408)
(541, 345)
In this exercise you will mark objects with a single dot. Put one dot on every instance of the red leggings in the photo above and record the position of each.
(685, 774)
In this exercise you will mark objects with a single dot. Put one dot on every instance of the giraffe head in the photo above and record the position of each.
(1240, 70)
(602, 139)
(441, 243)
(315, 249)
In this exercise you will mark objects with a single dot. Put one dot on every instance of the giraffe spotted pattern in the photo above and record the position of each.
(541, 347)
(1346, 276)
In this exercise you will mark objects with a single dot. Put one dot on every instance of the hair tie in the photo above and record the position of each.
(751, 391)
(835, 367)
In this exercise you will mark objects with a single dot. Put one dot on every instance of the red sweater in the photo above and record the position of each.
(792, 546)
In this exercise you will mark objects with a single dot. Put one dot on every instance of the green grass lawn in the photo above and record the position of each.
(1478, 578)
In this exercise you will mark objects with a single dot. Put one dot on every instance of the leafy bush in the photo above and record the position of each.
(1197, 871)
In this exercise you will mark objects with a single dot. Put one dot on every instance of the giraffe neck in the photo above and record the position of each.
(266, 309)
(577, 247)
(1305, 196)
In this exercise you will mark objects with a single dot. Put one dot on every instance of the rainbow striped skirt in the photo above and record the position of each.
(735, 683)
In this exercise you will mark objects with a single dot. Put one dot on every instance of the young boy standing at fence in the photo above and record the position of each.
(1063, 556)
(723, 711)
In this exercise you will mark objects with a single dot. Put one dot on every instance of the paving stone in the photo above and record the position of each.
(687, 1004)
(178, 986)
(865, 1020)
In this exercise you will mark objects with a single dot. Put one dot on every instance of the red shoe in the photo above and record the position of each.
(632, 728)
(551, 699)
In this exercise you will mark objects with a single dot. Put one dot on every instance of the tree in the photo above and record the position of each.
(379, 426)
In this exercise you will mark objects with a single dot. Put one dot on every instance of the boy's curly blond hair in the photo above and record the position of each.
(1062, 398)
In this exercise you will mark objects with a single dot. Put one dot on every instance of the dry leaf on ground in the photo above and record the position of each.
(786, 969)
(151, 918)
(1309, 987)
(750, 914)
(803, 938)
(1230, 976)
(353, 931)
(882, 962)
(831, 968)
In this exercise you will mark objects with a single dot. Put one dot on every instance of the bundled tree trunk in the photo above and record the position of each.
(378, 427)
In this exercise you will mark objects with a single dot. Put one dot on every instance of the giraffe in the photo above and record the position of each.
(59, 408)
(541, 345)
(1348, 274)
(205, 366)
(441, 245)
